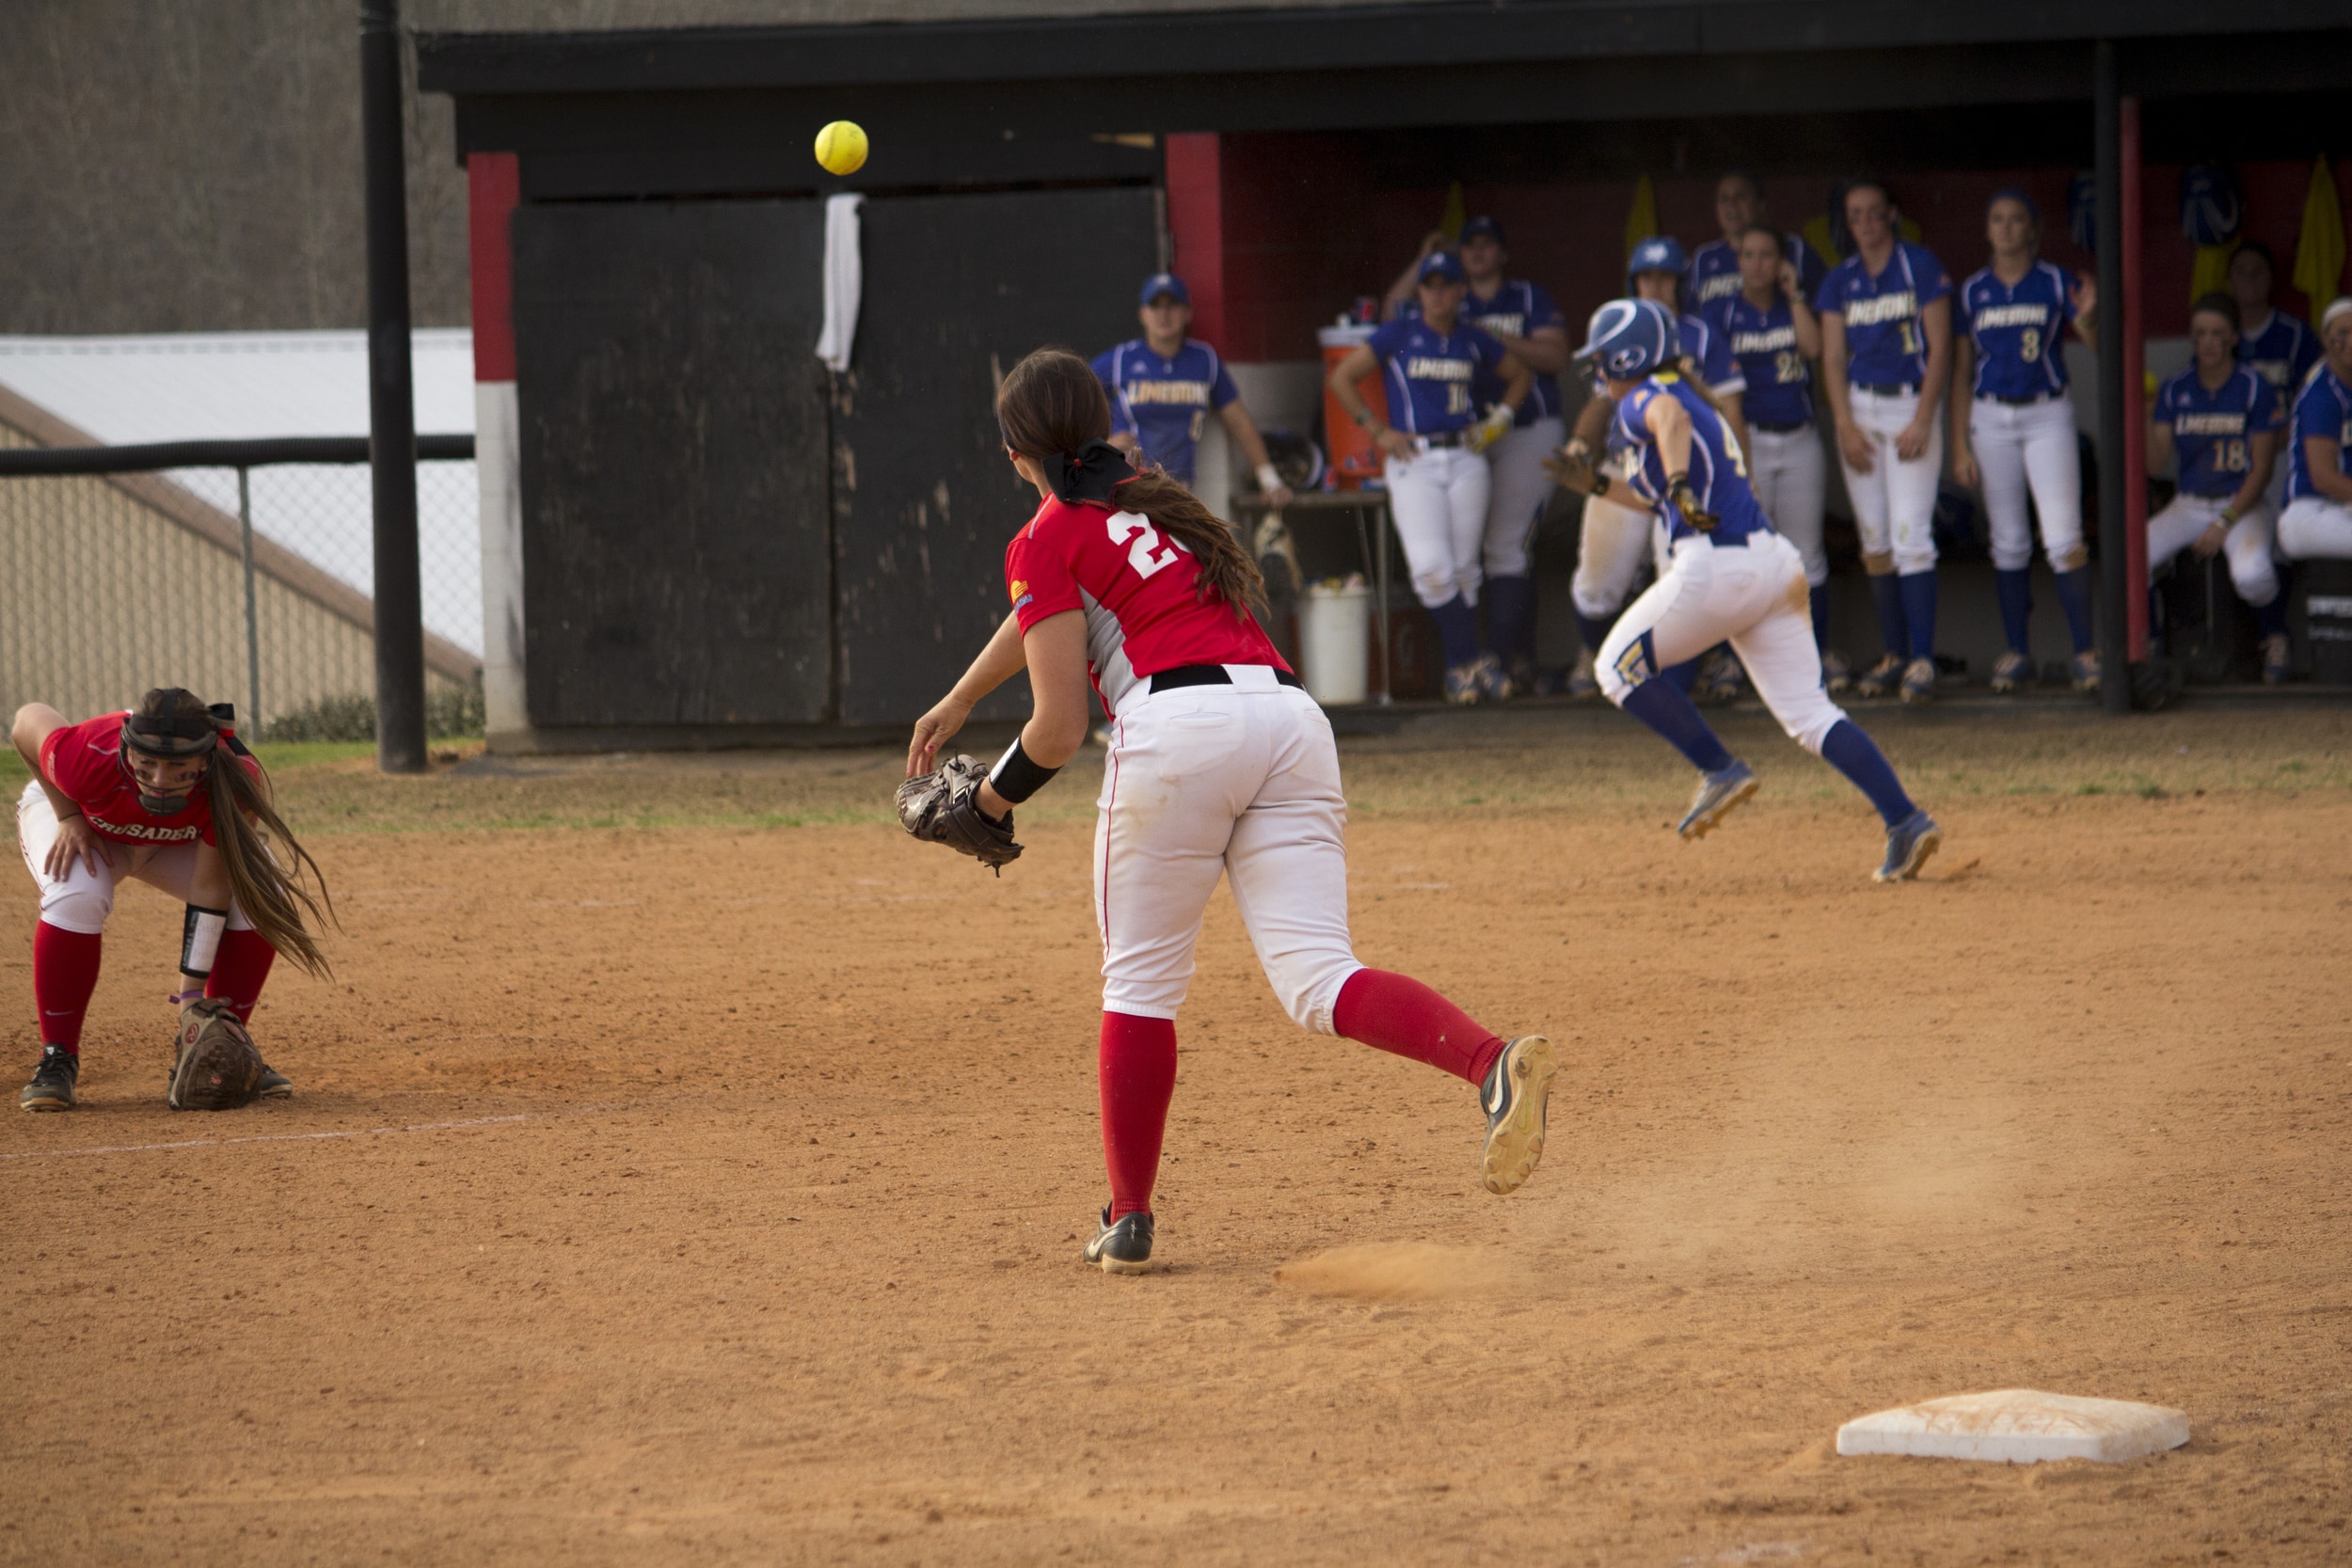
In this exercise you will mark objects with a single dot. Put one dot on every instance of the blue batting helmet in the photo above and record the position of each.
(1658, 253)
(1630, 337)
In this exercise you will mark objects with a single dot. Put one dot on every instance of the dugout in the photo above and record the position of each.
(698, 536)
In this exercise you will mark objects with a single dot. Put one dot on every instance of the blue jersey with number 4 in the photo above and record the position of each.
(2324, 409)
(1718, 470)
(2019, 330)
(2212, 430)
(1762, 342)
(1432, 376)
(1886, 338)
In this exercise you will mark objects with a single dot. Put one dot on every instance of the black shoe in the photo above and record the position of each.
(1123, 1247)
(1515, 1093)
(51, 1089)
(274, 1084)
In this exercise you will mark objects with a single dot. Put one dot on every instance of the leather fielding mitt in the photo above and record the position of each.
(943, 807)
(218, 1068)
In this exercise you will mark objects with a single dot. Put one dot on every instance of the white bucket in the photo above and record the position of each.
(1335, 642)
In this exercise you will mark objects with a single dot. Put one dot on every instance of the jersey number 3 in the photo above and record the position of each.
(1146, 555)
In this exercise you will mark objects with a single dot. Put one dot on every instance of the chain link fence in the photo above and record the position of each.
(242, 571)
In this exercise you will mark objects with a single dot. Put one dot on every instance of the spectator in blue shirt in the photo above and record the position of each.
(1164, 385)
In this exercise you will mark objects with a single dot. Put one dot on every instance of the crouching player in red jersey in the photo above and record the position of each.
(149, 794)
(1218, 762)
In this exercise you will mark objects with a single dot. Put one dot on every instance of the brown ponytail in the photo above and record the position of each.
(245, 821)
(1051, 403)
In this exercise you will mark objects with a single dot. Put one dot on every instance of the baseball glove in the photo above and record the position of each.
(943, 807)
(218, 1068)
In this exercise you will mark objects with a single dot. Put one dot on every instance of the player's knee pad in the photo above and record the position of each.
(1434, 588)
(1878, 563)
(1308, 984)
(1917, 557)
(2069, 557)
(1812, 720)
(2256, 581)
(80, 905)
(1626, 658)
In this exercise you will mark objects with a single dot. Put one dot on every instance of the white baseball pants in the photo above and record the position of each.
(2247, 544)
(1753, 594)
(2030, 449)
(1242, 779)
(1438, 501)
(2316, 526)
(1894, 504)
(1790, 476)
(1521, 489)
(1609, 556)
(82, 900)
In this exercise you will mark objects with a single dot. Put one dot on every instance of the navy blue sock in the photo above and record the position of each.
(1918, 591)
(1510, 617)
(1666, 708)
(1684, 675)
(1819, 594)
(1457, 631)
(1853, 754)
(2015, 589)
(1593, 631)
(2271, 619)
(2075, 598)
(1886, 594)
(2156, 619)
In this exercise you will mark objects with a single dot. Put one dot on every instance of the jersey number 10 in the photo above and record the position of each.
(1146, 555)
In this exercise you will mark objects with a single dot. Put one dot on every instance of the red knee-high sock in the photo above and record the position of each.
(1398, 1013)
(65, 972)
(240, 969)
(1138, 1066)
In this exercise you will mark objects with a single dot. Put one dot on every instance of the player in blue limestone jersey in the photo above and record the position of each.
(1164, 385)
(2013, 429)
(2280, 348)
(2318, 517)
(1770, 333)
(1433, 362)
(1886, 362)
(1715, 268)
(2218, 421)
(1729, 576)
(1522, 316)
(1616, 538)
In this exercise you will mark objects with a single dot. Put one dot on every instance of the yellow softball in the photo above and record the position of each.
(841, 146)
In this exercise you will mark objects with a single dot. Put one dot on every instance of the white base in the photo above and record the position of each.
(2018, 1426)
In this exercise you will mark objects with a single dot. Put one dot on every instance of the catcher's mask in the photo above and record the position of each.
(174, 733)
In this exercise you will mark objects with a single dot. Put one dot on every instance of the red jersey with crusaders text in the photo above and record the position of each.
(1138, 589)
(84, 762)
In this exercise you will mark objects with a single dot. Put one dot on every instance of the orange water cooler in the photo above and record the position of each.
(1354, 458)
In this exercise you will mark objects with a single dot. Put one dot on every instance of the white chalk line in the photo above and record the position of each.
(264, 1138)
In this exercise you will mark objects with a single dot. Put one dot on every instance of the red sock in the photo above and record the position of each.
(1138, 1066)
(240, 969)
(65, 972)
(1397, 1013)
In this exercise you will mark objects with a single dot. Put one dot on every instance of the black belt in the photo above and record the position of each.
(1209, 674)
(2035, 401)
(1889, 389)
(1777, 429)
(1444, 438)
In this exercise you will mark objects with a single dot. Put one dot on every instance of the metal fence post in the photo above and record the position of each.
(392, 398)
(252, 609)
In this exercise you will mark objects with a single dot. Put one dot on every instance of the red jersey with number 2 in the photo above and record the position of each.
(1138, 587)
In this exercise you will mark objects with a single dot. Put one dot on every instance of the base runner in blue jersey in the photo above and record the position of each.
(2013, 429)
(1770, 329)
(1729, 575)
(2318, 517)
(1433, 363)
(2280, 348)
(2220, 422)
(1886, 362)
(1164, 385)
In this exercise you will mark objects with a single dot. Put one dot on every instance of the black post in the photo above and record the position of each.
(2114, 555)
(392, 400)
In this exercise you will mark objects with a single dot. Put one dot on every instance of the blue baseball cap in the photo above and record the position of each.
(1164, 283)
(1441, 263)
(1482, 227)
(1658, 253)
(1630, 337)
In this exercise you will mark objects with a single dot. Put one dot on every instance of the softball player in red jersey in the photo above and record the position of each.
(149, 795)
(1220, 763)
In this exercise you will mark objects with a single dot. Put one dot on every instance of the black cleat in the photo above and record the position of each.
(1121, 1245)
(274, 1085)
(51, 1089)
(1515, 1094)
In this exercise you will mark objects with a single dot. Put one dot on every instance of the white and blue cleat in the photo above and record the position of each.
(1720, 793)
(1909, 843)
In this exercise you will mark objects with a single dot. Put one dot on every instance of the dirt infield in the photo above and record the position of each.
(711, 1192)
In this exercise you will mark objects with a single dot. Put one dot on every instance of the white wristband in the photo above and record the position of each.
(1269, 478)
